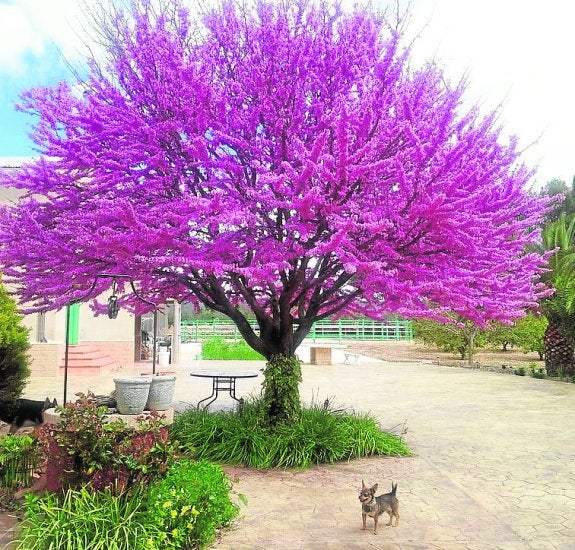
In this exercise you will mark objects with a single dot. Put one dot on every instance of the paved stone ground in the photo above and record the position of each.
(493, 466)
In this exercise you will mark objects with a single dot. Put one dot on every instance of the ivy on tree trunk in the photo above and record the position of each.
(281, 389)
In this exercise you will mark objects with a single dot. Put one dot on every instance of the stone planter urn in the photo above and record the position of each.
(132, 393)
(161, 392)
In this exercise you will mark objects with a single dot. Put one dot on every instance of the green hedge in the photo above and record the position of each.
(218, 348)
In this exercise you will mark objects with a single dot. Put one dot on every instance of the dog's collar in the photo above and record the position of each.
(368, 502)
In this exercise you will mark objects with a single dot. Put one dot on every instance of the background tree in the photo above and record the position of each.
(526, 333)
(279, 155)
(502, 336)
(14, 361)
(465, 338)
(461, 337)
(566, 207)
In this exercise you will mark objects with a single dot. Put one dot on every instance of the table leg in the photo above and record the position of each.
(209, 399)
(221, 383)
(233, 392)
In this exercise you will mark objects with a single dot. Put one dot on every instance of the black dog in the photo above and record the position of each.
(27, 413)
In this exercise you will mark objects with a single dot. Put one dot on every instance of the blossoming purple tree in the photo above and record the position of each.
(283, 157)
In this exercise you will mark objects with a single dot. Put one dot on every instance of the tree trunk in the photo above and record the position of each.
(559, 352)
(277, 339)
(471, 346)
(281, 389)
(277, 342)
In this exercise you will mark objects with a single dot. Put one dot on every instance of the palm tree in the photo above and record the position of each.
(559, 308)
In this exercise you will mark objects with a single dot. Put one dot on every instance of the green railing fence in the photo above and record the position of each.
(342, 329)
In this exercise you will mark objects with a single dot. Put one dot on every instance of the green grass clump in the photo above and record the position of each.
(322, 435)
(218, 348)
(85, 519)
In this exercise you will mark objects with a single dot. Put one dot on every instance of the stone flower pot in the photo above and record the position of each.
(161, 392)
(132, 393)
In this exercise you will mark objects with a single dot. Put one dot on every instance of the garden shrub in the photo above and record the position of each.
(19, 458)
(14, 360)
(191, 502)
(183, 509)
(219, 348)
(83, 448)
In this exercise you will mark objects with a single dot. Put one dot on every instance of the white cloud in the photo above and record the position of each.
(30, 26)
(518, 52)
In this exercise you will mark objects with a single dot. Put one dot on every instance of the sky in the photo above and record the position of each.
(517, 55)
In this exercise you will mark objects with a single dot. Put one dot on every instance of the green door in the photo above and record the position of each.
(73, 323)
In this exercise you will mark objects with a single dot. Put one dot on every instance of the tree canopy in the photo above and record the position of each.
(565, 207)
(280, 155)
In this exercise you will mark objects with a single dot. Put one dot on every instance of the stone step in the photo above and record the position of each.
(85, 358)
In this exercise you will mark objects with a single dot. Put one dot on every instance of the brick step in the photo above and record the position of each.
(87, 359)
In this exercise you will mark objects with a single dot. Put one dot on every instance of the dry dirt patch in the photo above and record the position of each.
(416, 351)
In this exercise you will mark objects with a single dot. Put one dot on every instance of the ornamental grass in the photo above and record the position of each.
(323, 434)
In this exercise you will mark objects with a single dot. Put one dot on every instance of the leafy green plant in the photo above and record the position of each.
(218, 348)
(19, 458)
(537, 371)
(14, 360)
(182, 509)
(520, 371)
(82, 447)
(84, 519)
(224, 436)
(321, 435)
(190, 503)
(559, 237)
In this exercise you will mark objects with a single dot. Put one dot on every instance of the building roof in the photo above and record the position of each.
(13, 162)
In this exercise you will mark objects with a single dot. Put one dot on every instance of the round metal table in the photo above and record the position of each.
(222, 381)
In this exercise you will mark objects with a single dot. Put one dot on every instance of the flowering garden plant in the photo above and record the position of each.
(112, 486)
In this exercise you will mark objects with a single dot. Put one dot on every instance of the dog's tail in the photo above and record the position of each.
(393, 488)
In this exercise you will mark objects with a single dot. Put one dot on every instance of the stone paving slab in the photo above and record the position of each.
(321, 505)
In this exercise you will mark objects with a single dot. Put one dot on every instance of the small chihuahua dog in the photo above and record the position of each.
(373, 506)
